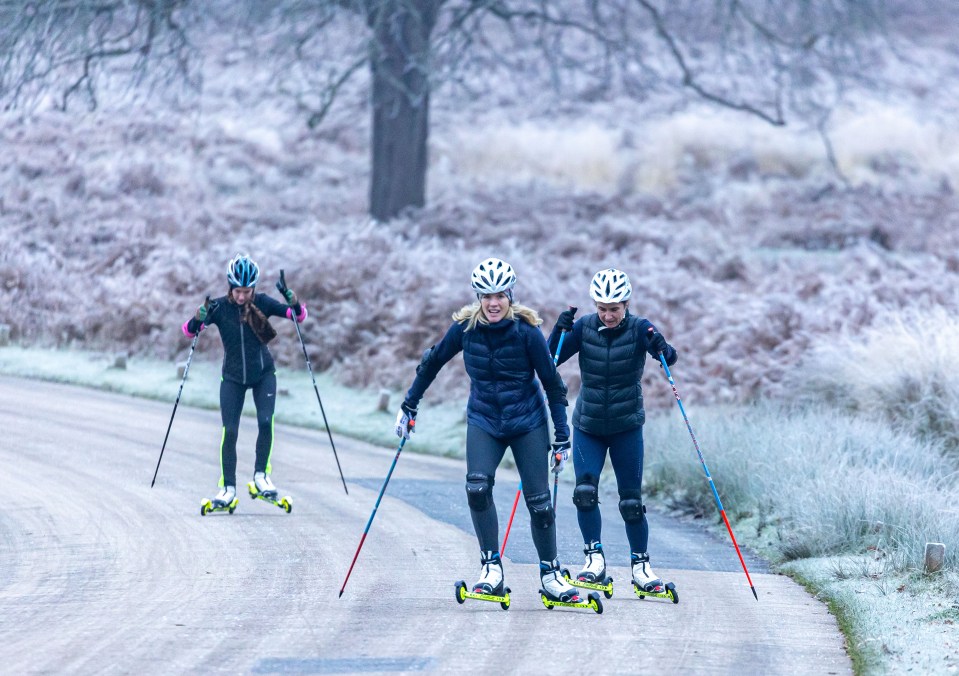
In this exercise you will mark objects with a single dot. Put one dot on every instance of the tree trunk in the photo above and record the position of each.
(400, 68)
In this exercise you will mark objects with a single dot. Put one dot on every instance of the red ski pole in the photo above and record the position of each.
(375, 507)
(719, 502)
(511, 515)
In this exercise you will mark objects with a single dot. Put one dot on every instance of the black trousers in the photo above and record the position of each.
(484, 453)
(232, 396)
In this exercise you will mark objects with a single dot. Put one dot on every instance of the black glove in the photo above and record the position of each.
(565, 321)
(656, 341)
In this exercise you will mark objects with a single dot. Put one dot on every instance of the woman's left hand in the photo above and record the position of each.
(559, 454)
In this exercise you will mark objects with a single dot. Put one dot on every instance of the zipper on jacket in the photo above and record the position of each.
(242, 346)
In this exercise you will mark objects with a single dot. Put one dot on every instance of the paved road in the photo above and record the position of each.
(99, 573)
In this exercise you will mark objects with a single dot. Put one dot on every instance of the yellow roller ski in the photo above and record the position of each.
(462, 594)
(285, 503)
(592, 601)
(669, 592)
(606, 587)
(207, 506)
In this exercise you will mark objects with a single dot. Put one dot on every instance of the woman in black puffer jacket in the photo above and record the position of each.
(609, 417)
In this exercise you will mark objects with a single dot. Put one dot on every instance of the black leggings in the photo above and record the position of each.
(530, 450)
(232, 395)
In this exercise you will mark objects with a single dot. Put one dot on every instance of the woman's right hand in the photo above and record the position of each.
(201, 313)
(405, 421)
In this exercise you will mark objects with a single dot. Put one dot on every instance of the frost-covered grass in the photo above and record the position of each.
(352, 412)
(904, 368)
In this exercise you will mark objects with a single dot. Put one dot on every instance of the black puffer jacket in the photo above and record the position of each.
(245, 358)
(611, 363)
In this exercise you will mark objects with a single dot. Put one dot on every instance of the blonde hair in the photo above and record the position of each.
(473, 315)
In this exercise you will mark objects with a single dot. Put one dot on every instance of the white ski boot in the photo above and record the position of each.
(555, 586)
(264, 485)
(557, 591)
(643, 576)
(225, 497)
(594, 570)
(647, 583)
(491, 575)
(224, 501)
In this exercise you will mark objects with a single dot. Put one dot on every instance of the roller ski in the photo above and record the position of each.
(558, 592)
(225, 501)
(490, 586)
(593, 575)
(645, 582)
(262, 488)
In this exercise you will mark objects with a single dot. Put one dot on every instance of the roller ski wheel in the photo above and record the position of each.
(285, 503)
(463, 593)
(606, 586)
(668, 592)
(207, 506)
(591, 602)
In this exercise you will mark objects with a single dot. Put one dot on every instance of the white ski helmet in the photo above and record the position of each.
(610, 286)
(493, 276)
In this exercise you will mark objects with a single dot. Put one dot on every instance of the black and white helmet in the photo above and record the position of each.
(493, 276)
(610, 286)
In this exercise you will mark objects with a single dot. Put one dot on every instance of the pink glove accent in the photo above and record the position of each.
(300, 317)
(186, 330)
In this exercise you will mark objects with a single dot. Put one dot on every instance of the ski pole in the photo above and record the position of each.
(712, 485)
(511, 515)
(281, 287)
(186, 370)
(519, 490)
(375, 507)
(559, 348)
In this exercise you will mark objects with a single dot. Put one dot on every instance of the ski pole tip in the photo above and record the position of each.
(754, 593)
(341, 594)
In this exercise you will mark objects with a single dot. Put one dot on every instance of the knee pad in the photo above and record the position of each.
(631, 506)
(586, 493)
(479, 491)
(540, 510)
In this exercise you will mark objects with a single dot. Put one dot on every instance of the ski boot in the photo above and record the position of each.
(593, 575)
(556, 591)
(490, 585)
(262, 488)
(645, 582)
(225, 501)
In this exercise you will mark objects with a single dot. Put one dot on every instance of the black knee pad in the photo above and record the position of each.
(586, 493)
(631, 506)
(479, 491)
(540, 510)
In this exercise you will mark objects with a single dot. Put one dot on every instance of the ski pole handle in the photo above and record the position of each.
(562, 337)
(281, 285)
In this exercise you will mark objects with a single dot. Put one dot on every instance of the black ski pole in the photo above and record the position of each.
(373, 513)
(712, 486)
(186, 370)
(281, 287)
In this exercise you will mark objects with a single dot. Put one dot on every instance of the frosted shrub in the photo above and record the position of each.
(828, 483)
(905, 367)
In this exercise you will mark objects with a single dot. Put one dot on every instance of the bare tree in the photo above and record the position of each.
(62, 47)
(773, 59)
(776, 60)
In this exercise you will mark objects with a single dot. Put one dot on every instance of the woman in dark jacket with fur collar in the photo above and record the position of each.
(504, 352)
(609, 417)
